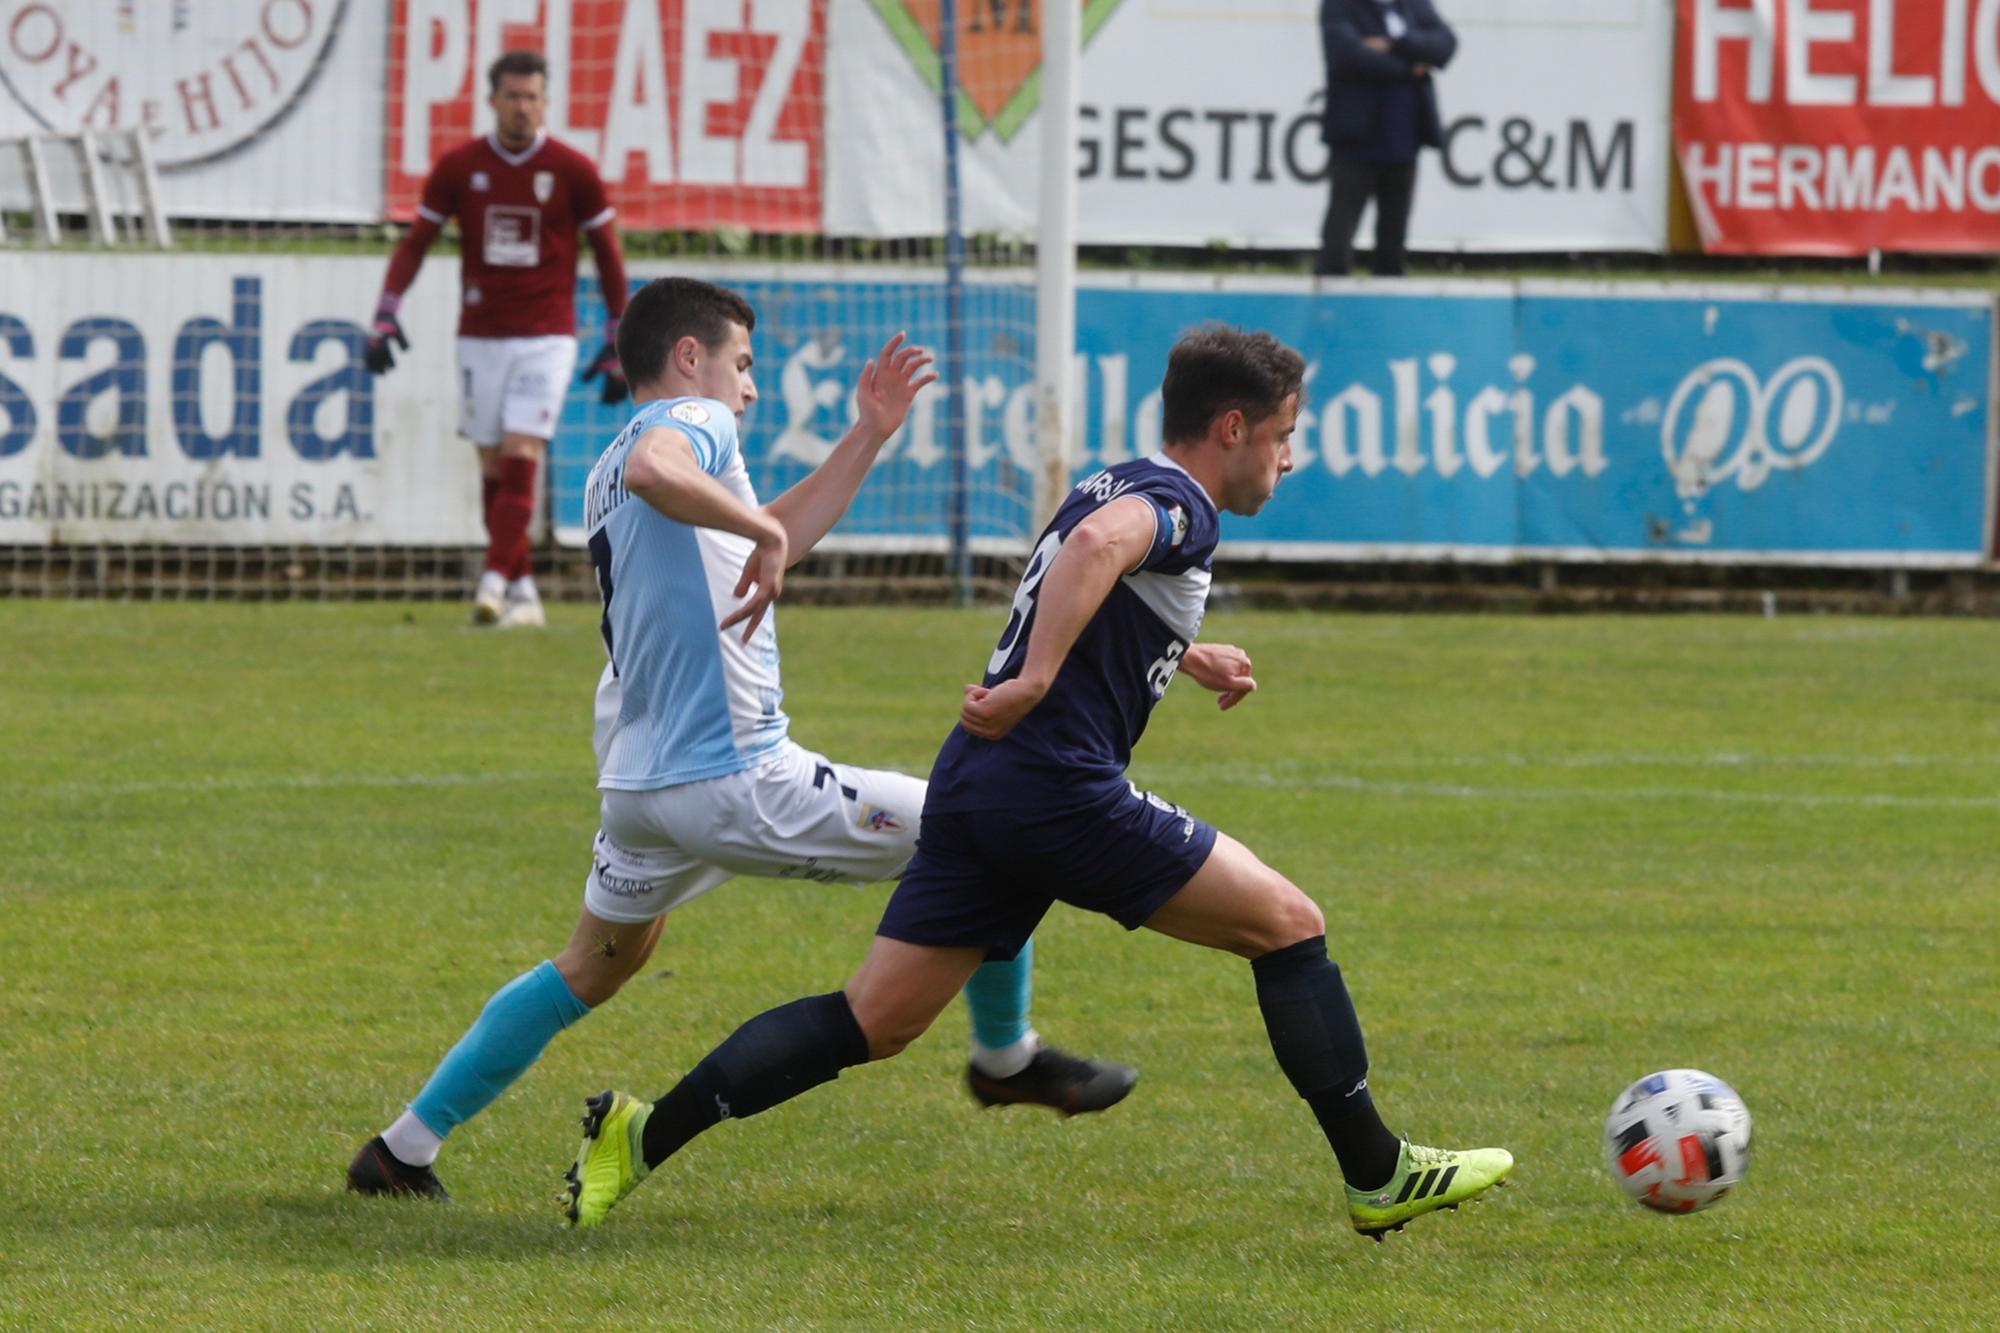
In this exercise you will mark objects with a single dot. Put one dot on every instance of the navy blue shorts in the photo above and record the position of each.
(984, 879)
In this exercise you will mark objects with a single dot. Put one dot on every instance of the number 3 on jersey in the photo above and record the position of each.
(1024, 600)
(1161, 674)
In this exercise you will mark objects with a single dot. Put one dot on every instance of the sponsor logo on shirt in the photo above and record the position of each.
(513, 236)
(692, 413)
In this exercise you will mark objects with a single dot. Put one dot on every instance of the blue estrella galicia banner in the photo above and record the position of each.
(1479, 421)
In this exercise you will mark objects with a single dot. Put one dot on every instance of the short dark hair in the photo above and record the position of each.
(1215, 369)
(516, 62)
(667, 310)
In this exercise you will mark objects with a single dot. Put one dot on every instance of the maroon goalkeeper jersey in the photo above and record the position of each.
(519, 215)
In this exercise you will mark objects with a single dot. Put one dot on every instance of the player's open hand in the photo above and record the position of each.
(889, 384)
(1223, 668)
(763, 572)
(991, 713)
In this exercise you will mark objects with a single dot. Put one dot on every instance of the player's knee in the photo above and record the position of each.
(1289, 916)
(891, 1034)
(890, 1026)
(1301, 918)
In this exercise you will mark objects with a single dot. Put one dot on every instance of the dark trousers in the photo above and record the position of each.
(1392, 185)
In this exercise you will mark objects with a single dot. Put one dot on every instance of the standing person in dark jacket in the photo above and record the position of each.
(1381, 107)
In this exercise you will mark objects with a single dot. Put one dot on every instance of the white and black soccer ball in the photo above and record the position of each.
(1678, 1140)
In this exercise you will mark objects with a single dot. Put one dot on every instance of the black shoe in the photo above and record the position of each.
(1056, 1078)
(375, 1170)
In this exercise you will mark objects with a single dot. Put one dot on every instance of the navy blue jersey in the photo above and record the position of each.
(1081, 734)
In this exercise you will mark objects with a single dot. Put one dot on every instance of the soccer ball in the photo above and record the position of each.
(1678, 1140)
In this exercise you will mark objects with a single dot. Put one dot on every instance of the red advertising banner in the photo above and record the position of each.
(1836, 127)
(699, 113)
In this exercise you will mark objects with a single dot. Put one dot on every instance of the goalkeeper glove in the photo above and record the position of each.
(605, 363)
(386, 330)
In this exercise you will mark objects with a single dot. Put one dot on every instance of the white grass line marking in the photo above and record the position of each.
(1165, 775)
(1721, 759)
(1455, 792)
(297, 782)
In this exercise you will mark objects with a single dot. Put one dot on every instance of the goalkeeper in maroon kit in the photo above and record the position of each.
(521, 198)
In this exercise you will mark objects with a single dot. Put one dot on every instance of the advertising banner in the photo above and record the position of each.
(223, 400)
(254, 109)
(1840, 126)
(816, 327)
(1467, 421)
(700, 115)
(1564, 422)
(1200, 123)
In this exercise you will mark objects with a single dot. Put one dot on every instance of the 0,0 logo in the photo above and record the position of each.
(200, 80)
(1721, 424)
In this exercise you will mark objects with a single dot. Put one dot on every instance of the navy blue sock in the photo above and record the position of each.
(772, 1058)
(1317, 1039)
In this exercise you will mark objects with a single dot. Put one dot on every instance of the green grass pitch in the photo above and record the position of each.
(260, 865)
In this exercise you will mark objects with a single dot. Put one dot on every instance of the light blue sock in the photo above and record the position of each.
(512, 1031)
(998, 995)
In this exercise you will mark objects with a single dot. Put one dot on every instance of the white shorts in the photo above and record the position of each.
(513, 386)
(796, 816)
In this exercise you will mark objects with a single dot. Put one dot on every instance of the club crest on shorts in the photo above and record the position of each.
(877, 820)
(545, 185)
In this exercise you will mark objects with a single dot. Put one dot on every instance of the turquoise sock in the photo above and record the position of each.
(998, 995)
(509, 1036)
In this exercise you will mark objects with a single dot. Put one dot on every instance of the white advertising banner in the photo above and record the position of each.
(217, 399)
(1200, 124)
(255, 109)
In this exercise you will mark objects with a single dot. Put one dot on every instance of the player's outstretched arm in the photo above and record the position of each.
(1097, 553)
(889, 384)
(1223, 668)
(662, 470)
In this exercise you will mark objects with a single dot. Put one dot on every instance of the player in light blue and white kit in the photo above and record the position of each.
(700, 780)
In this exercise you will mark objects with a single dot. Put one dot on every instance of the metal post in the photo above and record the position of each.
(38, 182)
(93, 180)
(149, 191)
(1056, 418)
(953, 371)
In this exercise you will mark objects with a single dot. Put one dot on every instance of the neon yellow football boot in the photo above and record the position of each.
(610, 1164)
(1426, 1179)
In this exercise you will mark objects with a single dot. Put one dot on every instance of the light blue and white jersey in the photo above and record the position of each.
(679, 701)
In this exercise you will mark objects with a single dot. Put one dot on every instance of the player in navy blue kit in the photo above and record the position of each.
(1029, 805)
